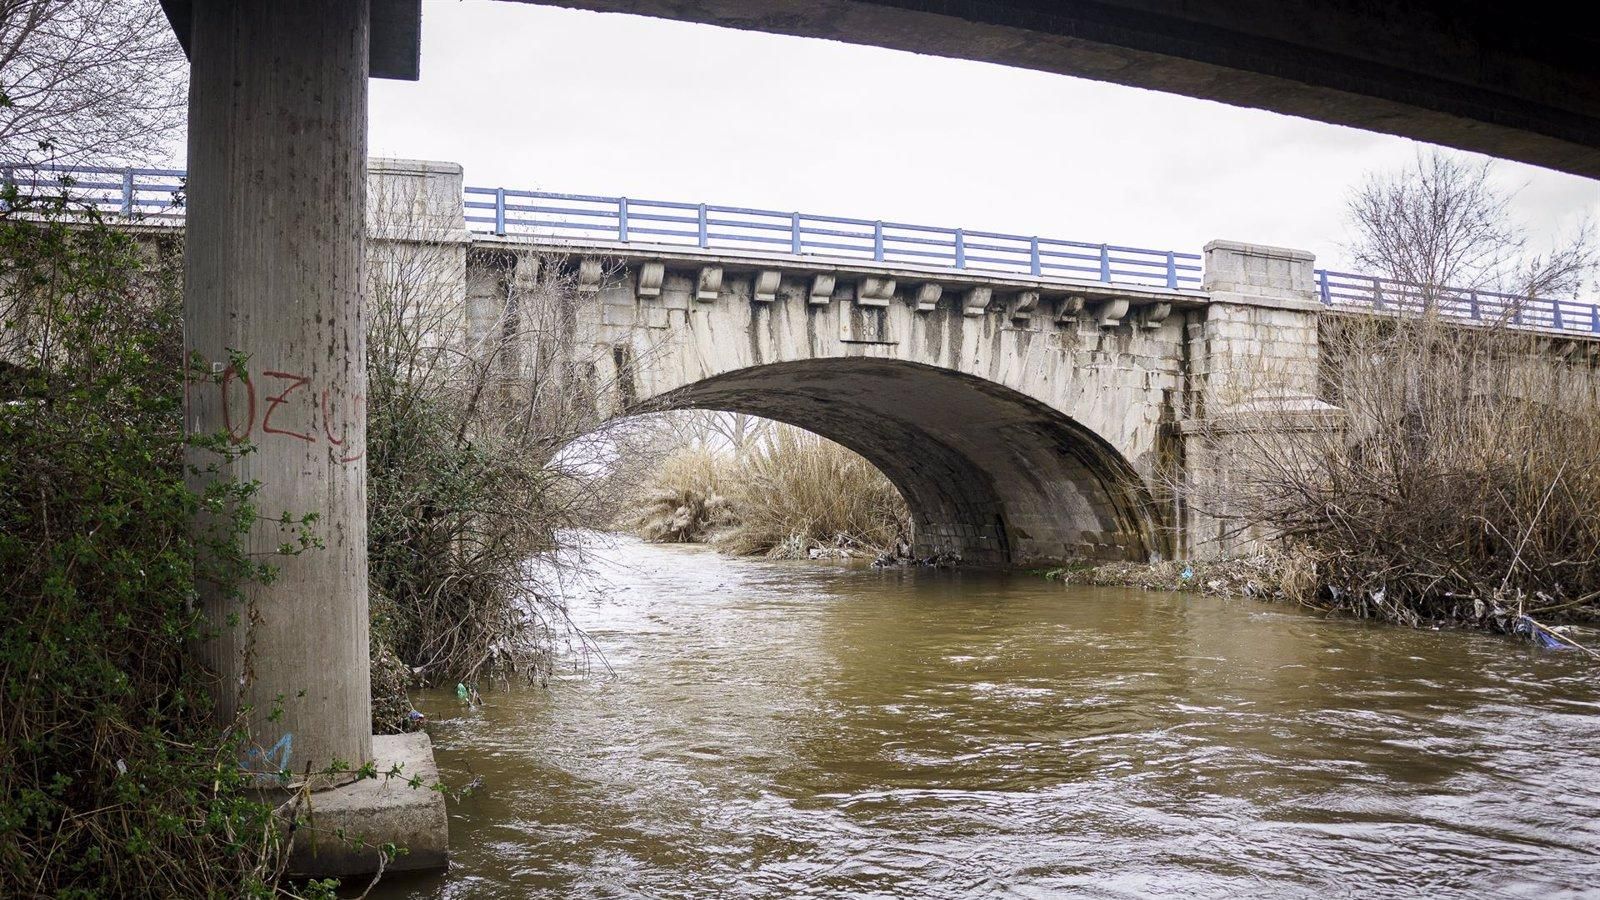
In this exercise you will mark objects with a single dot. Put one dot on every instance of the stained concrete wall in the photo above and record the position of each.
(1014, 440)
(1022, 427)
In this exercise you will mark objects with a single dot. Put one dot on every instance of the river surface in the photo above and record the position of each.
(811, 729)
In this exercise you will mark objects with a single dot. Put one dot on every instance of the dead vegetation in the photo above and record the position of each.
(1462, 483)
(783, 494)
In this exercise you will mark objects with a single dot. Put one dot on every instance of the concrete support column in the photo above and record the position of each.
(273, 306)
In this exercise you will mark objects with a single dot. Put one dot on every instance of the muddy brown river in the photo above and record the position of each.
(814, 729)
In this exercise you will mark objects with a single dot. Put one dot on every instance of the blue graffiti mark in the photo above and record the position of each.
(271, 761)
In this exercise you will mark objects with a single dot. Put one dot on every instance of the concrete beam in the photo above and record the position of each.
(1469, 75)
(590, 273)
(821, 289)
(976, 301)
(1109, 314)
(395, 50)
(1024, 305)
(1154, 314)
(1069, 308)
(875, 291)
(677, 257)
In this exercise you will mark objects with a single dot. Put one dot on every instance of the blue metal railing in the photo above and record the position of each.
(580, 217)
(127, 192)
(158, 194)
(1368, 293)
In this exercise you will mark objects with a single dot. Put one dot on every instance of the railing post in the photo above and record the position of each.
(127, 193)
(961, 249)
(7, 179)
(705, 231)
(1172, 269)
(499, 210)
(1594, 319)
(795, 245)
(1105, 263)
(622, 219)
(1555, 313)
(1472, 304)
(1377, 293)
(877, 241)
(1033, 256)
(1322, 287)
(1516, 312)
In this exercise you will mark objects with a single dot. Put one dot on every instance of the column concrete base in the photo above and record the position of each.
(372, 812)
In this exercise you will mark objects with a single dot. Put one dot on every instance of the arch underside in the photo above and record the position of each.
(992, 477)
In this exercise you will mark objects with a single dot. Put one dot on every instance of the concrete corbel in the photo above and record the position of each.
(709, 284)
(766, 286)
(928, 297)
(976, 302)
(1023, 307)
(874, 291)
(1069, 308)
(650, 276)
(525, 271)
(1153, 315)
(590, 274)
(821, 290)
(1109, 314)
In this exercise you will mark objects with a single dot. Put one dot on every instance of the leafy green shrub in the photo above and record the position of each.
(114, 780)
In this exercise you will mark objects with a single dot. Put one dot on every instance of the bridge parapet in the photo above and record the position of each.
(584, 220)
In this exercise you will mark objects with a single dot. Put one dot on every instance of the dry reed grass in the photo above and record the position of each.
(789, 494)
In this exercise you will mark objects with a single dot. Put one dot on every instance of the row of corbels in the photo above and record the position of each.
(878, 291)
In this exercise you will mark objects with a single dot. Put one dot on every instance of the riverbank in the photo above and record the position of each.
(1285, 578)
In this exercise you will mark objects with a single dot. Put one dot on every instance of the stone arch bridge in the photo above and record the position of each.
(1035, 401)
(1028, 417)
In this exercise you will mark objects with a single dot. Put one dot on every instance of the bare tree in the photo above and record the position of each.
(1441, 222)
(83, 80)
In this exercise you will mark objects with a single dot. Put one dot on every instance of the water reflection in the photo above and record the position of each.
(811, 730)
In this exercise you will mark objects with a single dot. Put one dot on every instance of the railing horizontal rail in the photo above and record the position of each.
(1367, 293)
(158, 193)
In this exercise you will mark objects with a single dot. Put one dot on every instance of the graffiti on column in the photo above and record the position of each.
(280, 405)
(269, 761)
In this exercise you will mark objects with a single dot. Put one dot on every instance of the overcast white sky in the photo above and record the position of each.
(552, 99)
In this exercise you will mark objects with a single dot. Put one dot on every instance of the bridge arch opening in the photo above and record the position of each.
(992, 477)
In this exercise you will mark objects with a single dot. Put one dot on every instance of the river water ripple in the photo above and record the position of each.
(805, 729)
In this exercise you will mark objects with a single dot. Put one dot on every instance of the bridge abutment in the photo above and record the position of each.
(1253, 365)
